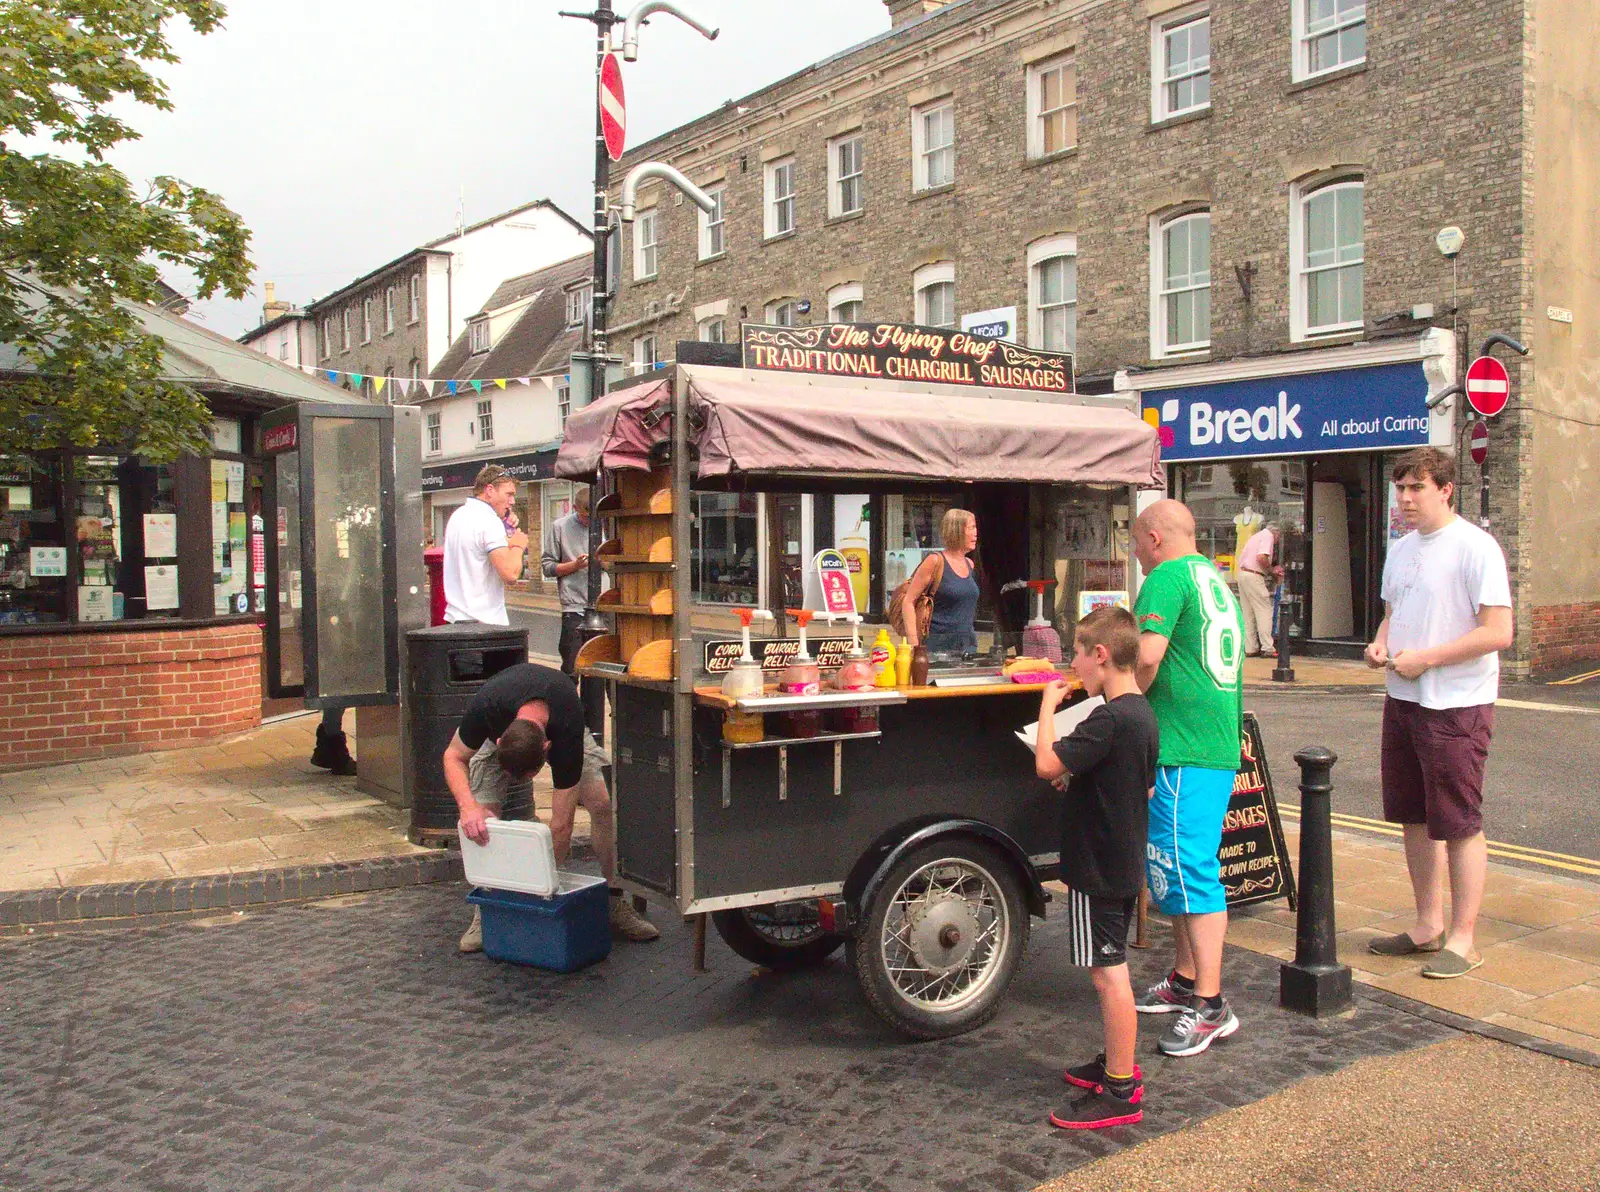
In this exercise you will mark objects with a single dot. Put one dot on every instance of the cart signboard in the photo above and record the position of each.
(1254, 857)
(906, 352)
(776, 653)
(833, 577)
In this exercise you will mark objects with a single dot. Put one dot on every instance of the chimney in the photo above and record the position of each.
(272, 308)
(902, 11)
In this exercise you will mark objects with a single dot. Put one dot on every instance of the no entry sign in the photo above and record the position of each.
(1479, 440)
(613, 108)
(1488, 386)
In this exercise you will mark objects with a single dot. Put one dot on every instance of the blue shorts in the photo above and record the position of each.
(1186, 816)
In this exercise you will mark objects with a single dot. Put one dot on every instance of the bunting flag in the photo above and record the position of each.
(409, 386)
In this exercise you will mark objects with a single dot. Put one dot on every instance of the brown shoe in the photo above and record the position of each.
(1403, 945)
(629, 924)
(1451, 964)
(472, 940)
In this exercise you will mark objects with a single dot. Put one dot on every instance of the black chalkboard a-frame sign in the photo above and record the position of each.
(1254, 857)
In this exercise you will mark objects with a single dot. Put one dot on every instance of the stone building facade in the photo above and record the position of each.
(1202, 200)
(397, 321)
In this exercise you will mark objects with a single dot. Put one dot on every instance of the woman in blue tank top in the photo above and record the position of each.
(955, 600)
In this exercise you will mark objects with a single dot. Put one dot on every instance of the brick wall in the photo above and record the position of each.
(1564, 633)
(72, 697)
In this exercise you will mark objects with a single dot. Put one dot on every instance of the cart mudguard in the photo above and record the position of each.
(867, 874)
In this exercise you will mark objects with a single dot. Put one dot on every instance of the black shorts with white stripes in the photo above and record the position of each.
(1097, 929)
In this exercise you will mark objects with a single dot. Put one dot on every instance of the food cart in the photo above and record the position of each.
(917, 838)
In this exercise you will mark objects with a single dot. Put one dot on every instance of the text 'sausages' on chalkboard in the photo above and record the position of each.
(1254, 857)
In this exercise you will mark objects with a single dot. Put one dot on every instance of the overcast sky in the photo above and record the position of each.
(346, 132)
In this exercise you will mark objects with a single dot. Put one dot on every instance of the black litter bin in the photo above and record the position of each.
(447, 665)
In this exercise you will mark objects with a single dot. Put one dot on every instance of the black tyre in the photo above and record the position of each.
(944, 935)
(783, 935)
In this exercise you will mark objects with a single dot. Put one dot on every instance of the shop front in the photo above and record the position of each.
(1304, 443)
(132, 590)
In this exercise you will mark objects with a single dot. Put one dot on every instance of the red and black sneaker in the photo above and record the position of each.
(1092, 1075)
(1100, 1110)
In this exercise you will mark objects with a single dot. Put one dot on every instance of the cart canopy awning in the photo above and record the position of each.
(778, 424)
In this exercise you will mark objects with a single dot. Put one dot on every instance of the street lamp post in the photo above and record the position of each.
(604, 19)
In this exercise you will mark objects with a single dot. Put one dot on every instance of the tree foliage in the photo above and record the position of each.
(75, 236)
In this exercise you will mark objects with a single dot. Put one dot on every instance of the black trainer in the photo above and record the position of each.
(1099, 1110)
(1092, 1075)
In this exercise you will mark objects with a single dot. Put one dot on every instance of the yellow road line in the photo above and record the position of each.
(1508, 852)
(1573, 680)
(1534, 706)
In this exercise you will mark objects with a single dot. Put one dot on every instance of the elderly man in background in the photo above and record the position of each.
(1259, 573)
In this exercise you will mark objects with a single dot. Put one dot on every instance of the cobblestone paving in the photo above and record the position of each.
(347, 1045)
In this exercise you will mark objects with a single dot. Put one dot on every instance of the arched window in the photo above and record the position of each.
(1180, 283)
(1053, 294)
(935, 290)
(1327, 253)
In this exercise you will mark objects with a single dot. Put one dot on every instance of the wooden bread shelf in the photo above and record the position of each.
(658, 550)
(653, 660)
(659, 605)
(641, 558)
(605, 648)
(660, 506)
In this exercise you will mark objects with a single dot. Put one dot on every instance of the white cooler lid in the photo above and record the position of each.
(520, 856)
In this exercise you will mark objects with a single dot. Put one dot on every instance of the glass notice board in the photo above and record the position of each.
(348, 501)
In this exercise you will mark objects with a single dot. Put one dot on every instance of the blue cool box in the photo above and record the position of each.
(565, 932)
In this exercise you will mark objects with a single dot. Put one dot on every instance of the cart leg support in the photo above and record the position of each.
(1140, 939)
(700, 942)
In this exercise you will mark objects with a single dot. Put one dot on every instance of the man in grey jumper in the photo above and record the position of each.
(565, 559)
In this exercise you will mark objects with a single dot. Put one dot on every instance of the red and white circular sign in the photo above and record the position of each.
(1478, 442)
(613, 108)
(1488, 386)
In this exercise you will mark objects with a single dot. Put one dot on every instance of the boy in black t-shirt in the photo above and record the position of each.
(1107, 767)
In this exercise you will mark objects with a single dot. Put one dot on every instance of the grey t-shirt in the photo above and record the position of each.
(564, 540)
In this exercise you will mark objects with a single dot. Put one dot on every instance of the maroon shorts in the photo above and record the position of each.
(1433, 761)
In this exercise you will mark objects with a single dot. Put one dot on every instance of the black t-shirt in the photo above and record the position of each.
(1105, 816)
(495, 706)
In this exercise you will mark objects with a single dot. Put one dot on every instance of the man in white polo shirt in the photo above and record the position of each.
(481, 554)
(1449, 614)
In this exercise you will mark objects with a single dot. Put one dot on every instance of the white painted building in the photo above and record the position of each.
(398, 321)
(510, 368)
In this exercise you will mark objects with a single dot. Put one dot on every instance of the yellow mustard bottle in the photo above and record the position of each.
(883, 674)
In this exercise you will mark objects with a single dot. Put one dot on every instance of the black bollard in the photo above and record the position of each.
(1284, 671)
(1316, 983)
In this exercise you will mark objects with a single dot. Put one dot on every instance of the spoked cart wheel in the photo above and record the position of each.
(943, 937)
(782, 935)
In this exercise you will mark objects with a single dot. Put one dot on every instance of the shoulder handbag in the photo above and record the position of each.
(924, 609)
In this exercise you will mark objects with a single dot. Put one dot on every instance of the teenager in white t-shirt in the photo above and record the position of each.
(1449, 614)
(481, 555)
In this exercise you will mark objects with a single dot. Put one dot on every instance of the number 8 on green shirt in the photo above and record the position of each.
(1198, 693)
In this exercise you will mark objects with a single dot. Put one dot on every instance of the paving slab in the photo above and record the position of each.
(1421, 1119)
(351, 1046)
